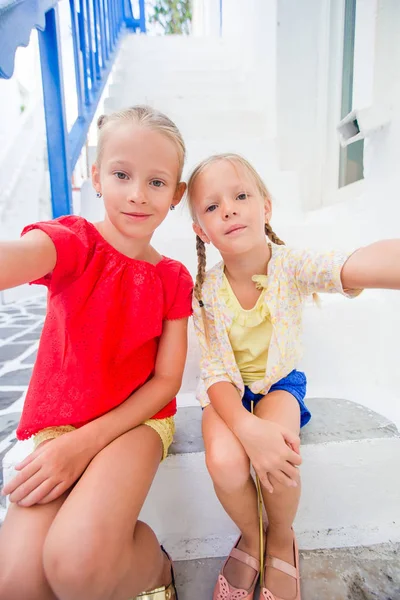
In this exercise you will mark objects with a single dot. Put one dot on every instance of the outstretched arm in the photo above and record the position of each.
(26, 259)
(375, 266)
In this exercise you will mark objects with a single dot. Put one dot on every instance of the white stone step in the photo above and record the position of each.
(350, 496)
(219, 93)
(211, 122)
(158, 76)
(145, 51)
(260, 152)
(204, 66)
(188, 98)
(202, 60)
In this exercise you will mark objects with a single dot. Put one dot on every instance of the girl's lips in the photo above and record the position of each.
(137, 216)
(235, 228)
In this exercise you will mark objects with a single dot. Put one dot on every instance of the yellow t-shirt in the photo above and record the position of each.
(249, 334)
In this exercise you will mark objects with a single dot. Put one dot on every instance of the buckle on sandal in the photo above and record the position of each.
(161, 593)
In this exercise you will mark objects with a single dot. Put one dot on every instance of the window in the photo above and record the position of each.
(351, 163)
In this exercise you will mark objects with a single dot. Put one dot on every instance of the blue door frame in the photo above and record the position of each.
(97, 27)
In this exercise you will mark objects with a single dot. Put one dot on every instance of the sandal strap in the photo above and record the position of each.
(281, 565)
(245, 558)
(161, 593)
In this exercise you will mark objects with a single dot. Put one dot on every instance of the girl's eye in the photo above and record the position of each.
(157, 183)
(242, 196)
(211, 208)
(121, 175)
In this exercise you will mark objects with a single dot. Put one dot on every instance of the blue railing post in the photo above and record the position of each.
(57, 136)
(142, 17)
(97, 46)
(92, 62)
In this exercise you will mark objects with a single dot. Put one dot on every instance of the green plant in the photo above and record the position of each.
(174, 16)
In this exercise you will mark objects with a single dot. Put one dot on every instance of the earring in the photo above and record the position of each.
(99, 194)
(172, 207)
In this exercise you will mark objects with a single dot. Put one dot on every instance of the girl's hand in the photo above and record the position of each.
(49, 471)
(272, 449)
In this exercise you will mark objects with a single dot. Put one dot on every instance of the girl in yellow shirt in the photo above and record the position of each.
(247, 315)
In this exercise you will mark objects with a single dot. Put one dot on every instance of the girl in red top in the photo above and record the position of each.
(109, 365)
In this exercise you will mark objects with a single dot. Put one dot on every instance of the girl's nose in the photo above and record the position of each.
(136, 194)
(229, 212)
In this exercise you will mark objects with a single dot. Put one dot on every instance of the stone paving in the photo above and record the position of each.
(20, 327)
(371, 573)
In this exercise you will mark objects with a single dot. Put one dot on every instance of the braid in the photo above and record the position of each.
(201, 268)
(201, 274)
(272, 235)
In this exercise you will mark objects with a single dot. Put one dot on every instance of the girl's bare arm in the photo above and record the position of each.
(26, 259)
(375, 266)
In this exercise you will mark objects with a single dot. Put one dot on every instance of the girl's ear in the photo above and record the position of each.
(179, 192)
(267, 209)
(198, 231)
(96, 178)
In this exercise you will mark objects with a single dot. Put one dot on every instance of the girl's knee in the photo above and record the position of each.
(229, 467)
(75, 568)
(18, 581)
(10, 584)
(21, 572)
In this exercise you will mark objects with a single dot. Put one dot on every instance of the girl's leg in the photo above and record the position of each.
(22, 537)
(281, 506)
(96, 549)
(229, 467)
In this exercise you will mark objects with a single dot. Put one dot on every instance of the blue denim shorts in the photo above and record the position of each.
(295, 383)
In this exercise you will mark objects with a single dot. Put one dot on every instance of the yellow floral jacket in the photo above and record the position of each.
(292, 276)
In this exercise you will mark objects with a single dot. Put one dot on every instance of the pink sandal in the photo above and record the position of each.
(281, 565)
(224, 591)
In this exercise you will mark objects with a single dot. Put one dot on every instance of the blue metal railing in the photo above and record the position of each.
(97, 26)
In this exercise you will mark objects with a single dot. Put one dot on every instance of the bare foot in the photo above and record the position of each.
(237, 573)
(280, 545)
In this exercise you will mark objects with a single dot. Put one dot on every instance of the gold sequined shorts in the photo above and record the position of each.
(164, 427)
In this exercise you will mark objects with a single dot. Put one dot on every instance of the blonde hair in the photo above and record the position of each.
(144, 116)
(200, 245)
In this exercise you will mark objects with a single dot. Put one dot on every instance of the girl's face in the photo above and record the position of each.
(138, 178)
(230, 210)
